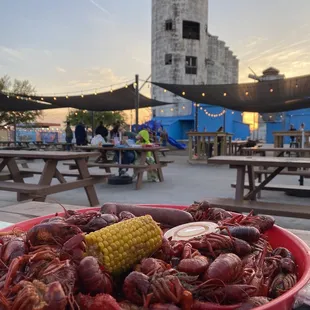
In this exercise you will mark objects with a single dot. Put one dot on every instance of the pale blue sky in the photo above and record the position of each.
(74, 45)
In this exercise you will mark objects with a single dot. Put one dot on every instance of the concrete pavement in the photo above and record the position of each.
(183, 184)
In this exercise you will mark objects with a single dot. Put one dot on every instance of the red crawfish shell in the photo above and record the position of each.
(194, 266)
(226, 267)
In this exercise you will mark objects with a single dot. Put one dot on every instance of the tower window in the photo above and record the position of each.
(191, 30)
(169, 25)
(168, 59)
(190, 65)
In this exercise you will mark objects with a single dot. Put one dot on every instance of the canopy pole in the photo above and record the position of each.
(224, 121)
(93, 123)
(15, 129)
(137, 97)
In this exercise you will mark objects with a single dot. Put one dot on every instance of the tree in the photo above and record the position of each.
(108, 118)
(17, 87)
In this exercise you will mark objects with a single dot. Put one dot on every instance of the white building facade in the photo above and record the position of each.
(183, 52)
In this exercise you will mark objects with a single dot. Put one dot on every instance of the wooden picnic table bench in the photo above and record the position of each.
(39, 191)
(245, 164)
(279, 151)
(103, 162)
(259, 207)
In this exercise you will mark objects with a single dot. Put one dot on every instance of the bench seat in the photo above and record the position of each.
(305, 173)
(25, 188)
(68, 173)
(5, 176)
(259, 207)
(73, 166)
(277, 187)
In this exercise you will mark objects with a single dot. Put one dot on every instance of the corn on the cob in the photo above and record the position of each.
(120, 246)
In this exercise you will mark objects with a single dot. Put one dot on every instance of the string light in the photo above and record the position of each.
(162, 111)
(67, 97)
(55, 98)
(82, 96)
(215, 115)
(296, 85)
(126, 86)
(95, 93)
(171, 109)
(201, 108)
(42, 98)
(183, 93)
(203, 94)
(111, 90)
(183, 107)
(271, 90)
(246, 93)
(165, 90)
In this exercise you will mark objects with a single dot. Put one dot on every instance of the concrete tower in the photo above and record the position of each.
(179, 49)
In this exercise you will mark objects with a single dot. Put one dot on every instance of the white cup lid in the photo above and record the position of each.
(191, 230)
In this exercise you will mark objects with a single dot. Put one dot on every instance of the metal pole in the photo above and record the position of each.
(93, 123)
(15, 130)
(137, 97)
(196, 117)
(224, 121)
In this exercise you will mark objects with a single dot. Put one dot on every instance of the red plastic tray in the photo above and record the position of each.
(277, 237)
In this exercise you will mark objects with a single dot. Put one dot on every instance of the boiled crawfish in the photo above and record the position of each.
(203, 212)
(92, 278)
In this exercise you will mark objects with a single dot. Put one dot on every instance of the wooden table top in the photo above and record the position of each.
(277, 149)
(47, 154)
(261, 161)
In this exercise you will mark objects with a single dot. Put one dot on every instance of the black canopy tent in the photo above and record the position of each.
(22, 103)
(116, 100)
(263, 97)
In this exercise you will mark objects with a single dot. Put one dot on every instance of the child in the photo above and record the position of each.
(143, 137)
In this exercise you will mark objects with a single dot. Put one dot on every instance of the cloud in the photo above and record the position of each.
(60, 70)
(289, 55)
(11, 54)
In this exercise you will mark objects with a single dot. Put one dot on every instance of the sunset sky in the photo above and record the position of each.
(79, 45)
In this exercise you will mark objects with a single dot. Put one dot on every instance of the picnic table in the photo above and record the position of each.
(280, 152)
(38, 192)
(103, 162)
(245, 164)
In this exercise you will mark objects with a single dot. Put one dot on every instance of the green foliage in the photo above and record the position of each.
(17, 87)
(108, 118)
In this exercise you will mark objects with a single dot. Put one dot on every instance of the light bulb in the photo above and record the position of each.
(224, 94)
(183, 93)
(203, 94)
(271, 90)
(246, 93)
(55, 98)
(82, 96)
(67, 97)
(165, 90)
(42, 98)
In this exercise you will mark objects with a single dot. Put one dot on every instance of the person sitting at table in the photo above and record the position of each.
(80, 134)
(128, 157)
(115, 131)
(102, 131)
(143, 137)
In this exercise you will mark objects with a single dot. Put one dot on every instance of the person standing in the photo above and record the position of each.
(302, 129)
(69, 136)
(164, 137)
(102, 131)
(80, 134)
